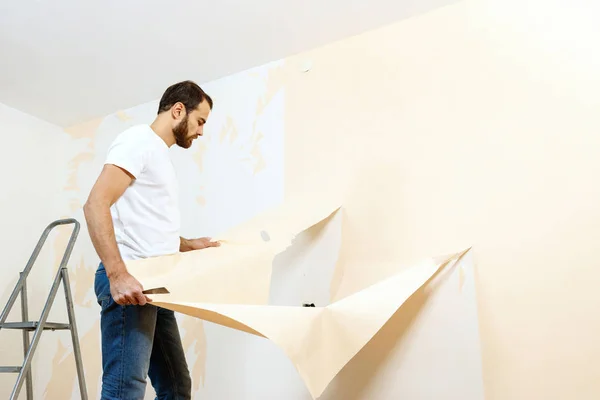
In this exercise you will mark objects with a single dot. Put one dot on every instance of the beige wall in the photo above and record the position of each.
(473, 125)
(476, 124)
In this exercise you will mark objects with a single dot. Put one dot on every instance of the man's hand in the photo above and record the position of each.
(197, 244)
(125, 290)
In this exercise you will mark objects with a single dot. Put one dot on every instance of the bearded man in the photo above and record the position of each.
(132, 212)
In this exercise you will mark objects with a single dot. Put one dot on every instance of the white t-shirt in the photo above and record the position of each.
(146, 217)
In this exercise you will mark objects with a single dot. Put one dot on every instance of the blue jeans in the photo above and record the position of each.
(137, 342)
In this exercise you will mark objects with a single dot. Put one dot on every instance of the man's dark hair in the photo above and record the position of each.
(186, 92)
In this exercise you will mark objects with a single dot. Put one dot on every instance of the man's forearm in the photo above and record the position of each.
(102, 234)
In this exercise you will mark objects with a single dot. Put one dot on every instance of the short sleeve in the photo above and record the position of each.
(129, 153)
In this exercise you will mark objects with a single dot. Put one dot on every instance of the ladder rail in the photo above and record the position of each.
(34, 255)
(26, 338)
(30, 346)
(49, 301)
(74, 336)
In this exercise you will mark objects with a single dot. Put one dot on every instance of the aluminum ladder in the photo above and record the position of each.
(27, 326)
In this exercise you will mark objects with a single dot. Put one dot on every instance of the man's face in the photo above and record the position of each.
(191, 126)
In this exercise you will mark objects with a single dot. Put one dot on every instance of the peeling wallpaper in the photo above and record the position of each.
(240, 155)
(475, 124)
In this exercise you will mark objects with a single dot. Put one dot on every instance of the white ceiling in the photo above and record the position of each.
(69, 61)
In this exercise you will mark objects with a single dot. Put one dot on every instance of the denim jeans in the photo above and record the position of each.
(137, 342)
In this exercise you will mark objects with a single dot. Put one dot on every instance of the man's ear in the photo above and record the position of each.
(177, 110)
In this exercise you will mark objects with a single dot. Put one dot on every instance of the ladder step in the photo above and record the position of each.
(32, 325)
(4, 370)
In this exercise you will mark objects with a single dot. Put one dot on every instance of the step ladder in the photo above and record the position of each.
(27, 326)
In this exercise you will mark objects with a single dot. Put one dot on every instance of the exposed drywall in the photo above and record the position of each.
(231, 173)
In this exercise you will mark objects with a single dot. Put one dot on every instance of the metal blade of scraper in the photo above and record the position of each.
(160, 290)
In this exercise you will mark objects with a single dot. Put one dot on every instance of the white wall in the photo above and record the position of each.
(28, 202)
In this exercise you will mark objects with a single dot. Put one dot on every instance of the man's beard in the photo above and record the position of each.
(181, 134)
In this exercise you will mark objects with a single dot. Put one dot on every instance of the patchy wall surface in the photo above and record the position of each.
(230, 174)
